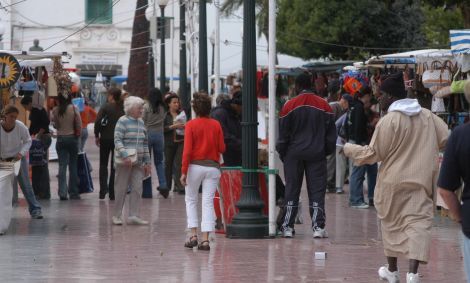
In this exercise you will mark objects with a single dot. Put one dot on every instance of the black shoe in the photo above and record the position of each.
(371, 202)
(111, 197)
(37, 216)
(182, 192)
(164, 192)
(63, 198)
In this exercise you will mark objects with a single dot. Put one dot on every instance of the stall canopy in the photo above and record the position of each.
(410, 57)
(32, 55)
(327, 66)
(460, 41)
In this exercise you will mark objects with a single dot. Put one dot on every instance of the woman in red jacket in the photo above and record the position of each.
(203, 145)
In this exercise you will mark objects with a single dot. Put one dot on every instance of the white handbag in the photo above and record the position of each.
(440, 76)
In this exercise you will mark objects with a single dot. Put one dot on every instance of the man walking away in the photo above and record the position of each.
(307, 134)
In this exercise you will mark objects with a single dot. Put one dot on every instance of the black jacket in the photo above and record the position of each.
(306, 128)
(106, 120)
(231, 126)
(356, 126)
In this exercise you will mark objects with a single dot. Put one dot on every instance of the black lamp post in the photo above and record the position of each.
(185, 98)
(249, 222)
(203, 46)
(162, 4)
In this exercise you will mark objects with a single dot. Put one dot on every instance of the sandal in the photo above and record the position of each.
(203, 246)
(192, 242)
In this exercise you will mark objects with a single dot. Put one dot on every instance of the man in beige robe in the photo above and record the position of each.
(407, 141)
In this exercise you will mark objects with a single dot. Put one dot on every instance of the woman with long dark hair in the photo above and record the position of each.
(154, 114)
(68, 124)
(175, 120)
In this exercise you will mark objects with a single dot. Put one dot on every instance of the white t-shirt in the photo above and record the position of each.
(14, 142)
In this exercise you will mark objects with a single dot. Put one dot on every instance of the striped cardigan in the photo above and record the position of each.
(131, 133)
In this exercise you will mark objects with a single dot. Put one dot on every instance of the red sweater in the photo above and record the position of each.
(203, 140)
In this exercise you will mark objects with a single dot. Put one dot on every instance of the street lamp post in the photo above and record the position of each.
(162, 4)
(185, 99)
(212, 41)
(203, 46)
(249, 222)
(2, 31)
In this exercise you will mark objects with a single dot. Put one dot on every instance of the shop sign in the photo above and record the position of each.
(101, 59)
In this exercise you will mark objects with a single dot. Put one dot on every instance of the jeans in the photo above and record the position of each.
(356, 180)
(25, 185)
(67, 151)
(157, 146)
(83, 139)
(466, 255)
(209, 178)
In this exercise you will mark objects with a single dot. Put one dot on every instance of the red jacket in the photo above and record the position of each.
(203, 140)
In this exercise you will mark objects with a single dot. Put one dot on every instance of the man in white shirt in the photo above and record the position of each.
(15, 142)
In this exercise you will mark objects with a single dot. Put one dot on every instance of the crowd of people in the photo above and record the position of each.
(322, 135)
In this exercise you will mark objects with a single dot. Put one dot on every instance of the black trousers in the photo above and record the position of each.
(40, 181)
(106, 184)
(315, 175)
(173, 158)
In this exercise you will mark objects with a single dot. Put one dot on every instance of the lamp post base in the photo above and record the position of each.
(248, 226)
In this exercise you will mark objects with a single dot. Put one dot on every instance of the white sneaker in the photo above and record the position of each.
(136, 221)
(387, 275)
(360, 206)
(319, 233)
(412, 277)
(117, 220)
(288, 233)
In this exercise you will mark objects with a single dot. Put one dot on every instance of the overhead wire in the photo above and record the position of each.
(91, 22)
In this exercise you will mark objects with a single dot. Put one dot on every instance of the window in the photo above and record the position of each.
(99, 11)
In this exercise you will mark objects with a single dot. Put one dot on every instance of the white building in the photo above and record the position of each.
(96, 33)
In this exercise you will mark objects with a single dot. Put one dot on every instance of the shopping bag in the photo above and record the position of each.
(37, 153)
(85, 184)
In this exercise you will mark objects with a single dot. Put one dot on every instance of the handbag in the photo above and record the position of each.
(457, 86)
(438, 75)
(37, 153)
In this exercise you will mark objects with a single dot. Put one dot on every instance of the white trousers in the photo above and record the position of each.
(128, 176)
(209, 177)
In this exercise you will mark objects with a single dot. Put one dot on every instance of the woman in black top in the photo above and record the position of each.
(105, 123)
(174, 139)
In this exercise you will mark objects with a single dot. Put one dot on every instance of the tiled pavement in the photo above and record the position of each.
(77, 243)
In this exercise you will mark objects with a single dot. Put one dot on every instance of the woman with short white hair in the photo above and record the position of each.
(132, 160)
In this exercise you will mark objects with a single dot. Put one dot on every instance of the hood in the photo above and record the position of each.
(407, 106)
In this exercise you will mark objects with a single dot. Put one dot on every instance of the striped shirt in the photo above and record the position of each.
(131, 133)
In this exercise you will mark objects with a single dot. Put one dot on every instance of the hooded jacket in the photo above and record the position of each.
(306, 128)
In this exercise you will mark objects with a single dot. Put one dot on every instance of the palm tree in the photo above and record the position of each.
(230, 6)
(138, 81)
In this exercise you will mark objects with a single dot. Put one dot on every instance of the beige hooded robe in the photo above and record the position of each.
(407, 141)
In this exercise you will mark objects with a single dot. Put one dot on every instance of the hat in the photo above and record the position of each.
(236, 98)
(394, 85)
(348, 98)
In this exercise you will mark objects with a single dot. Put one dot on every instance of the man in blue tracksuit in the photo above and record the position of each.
(307, 134)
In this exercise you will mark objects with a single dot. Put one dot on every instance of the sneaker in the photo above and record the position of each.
(319, 233)
(339, 191)
(387, 275)
(117, 220)
(412, 277)
(136, 221)
(361, 206)
(288, 233)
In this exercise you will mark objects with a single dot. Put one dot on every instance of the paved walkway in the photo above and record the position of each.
(76, 242)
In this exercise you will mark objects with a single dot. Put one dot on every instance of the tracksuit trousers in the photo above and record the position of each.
(315, 174)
